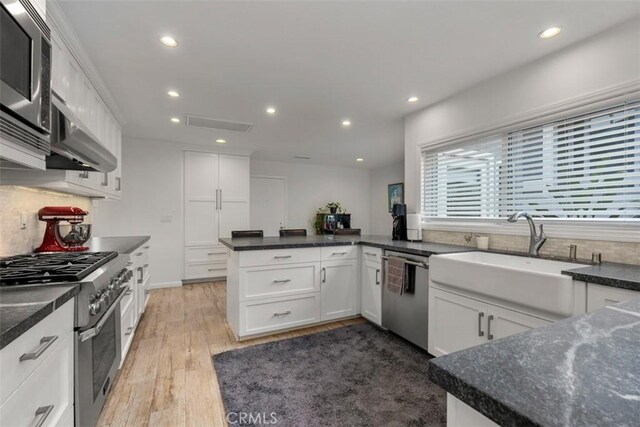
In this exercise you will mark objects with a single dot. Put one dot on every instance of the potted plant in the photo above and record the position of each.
(334, 207)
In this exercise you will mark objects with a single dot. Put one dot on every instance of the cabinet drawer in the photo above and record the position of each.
(265, 316)
(205, 254)
(203, 271)
(370, 253)
(47, 393)
(129, 297)
(599, 296)
(278, 281)
(278, 256)
(58, 324)
(127, 330)
(334, 253)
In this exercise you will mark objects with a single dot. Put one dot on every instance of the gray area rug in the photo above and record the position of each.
(357, 375)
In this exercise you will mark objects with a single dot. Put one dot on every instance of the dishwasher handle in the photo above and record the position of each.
(420, 264)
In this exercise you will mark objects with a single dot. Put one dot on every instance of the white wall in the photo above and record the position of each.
(601, 62)
(312, 186)
(152, 188)
(379, 209)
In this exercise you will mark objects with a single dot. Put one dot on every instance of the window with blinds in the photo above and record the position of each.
(581, 167)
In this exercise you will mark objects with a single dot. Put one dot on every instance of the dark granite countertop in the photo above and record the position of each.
(416, 248)
(579, 371)
(122, 245)
(625, 276)
(23, 307)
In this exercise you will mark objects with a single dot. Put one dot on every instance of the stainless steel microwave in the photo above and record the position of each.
(25, 74)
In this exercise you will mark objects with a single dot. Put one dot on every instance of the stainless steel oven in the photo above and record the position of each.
(98, 353)
(25, 74)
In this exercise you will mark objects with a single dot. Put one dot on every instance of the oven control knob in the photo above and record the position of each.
(94, 308)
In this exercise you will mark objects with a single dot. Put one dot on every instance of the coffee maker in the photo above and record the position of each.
(399, 214)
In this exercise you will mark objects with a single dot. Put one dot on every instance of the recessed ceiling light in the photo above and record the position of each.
(221, 141)
(175, 120)
(173, 94)
(271, 110)
(346, 123)
(549, 32)
(168, 41)
(359, 159)
(412, 99)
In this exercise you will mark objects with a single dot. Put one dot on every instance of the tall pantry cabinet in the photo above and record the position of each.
(216, 201)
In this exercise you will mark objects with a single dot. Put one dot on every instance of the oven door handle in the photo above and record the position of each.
(90, 333)
(409, 261)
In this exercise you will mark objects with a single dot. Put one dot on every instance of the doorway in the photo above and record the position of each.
(268, 204)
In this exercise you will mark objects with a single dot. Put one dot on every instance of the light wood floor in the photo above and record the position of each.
(167, 378)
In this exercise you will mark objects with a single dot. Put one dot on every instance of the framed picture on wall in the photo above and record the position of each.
(395, 194)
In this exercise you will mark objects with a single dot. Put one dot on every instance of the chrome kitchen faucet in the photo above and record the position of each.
(535, 240)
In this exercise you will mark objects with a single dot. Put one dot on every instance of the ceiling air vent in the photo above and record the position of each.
(206, 122)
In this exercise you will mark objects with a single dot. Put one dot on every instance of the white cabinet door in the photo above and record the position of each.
(599, 296)
(371, 307)
(201, 205)
(235, 181)
(455, 322)
(502, 322)
(234, 187)
(339, 289)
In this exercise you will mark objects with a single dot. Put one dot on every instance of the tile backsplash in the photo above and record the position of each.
(14, 200)
(624, 252)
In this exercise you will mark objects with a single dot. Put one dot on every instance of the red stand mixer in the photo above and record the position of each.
(60, 237)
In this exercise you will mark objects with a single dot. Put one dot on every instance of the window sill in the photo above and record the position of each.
(622, 231)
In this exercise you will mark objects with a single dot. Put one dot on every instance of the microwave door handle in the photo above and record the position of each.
(90, 333)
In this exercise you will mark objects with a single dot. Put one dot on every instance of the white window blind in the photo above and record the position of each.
(580, 167)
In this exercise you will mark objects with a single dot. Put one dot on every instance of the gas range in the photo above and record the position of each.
(99, 274)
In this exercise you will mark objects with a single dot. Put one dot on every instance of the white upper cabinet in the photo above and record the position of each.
(234, 179)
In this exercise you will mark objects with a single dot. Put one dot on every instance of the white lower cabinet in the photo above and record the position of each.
(457, 322)
(339, 289)
(371, 288)
(127, 329)
(274, 290)
(262, 316)
(599, 296)
(45, 396)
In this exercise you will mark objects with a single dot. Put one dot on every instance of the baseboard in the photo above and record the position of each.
(174, 284)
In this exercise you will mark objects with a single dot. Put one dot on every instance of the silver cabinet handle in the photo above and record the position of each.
(130, 263)
(221, 199)
(339, 253)
(128, 292)
(118, 184)
(480, 331)
(370, 253)
(210, 269)
(146, 247)
(147, 292)
(43, 412)
(129, 330)
(139, 253)
(211, 253)
(105, 179)
(282, 281)
(145, 265)
(324, 275)
(377, 276)
(489, 319)
(45, 343)
(282, 257)
(141, 271)
(284, 313)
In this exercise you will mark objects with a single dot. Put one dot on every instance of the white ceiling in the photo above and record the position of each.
(316, 62)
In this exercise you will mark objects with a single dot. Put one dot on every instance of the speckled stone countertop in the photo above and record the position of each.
(625, 276)
(416, 248)
(23, 307)
(579, 371)
(122, 245)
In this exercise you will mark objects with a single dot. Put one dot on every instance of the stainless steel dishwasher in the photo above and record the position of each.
(407, 315)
